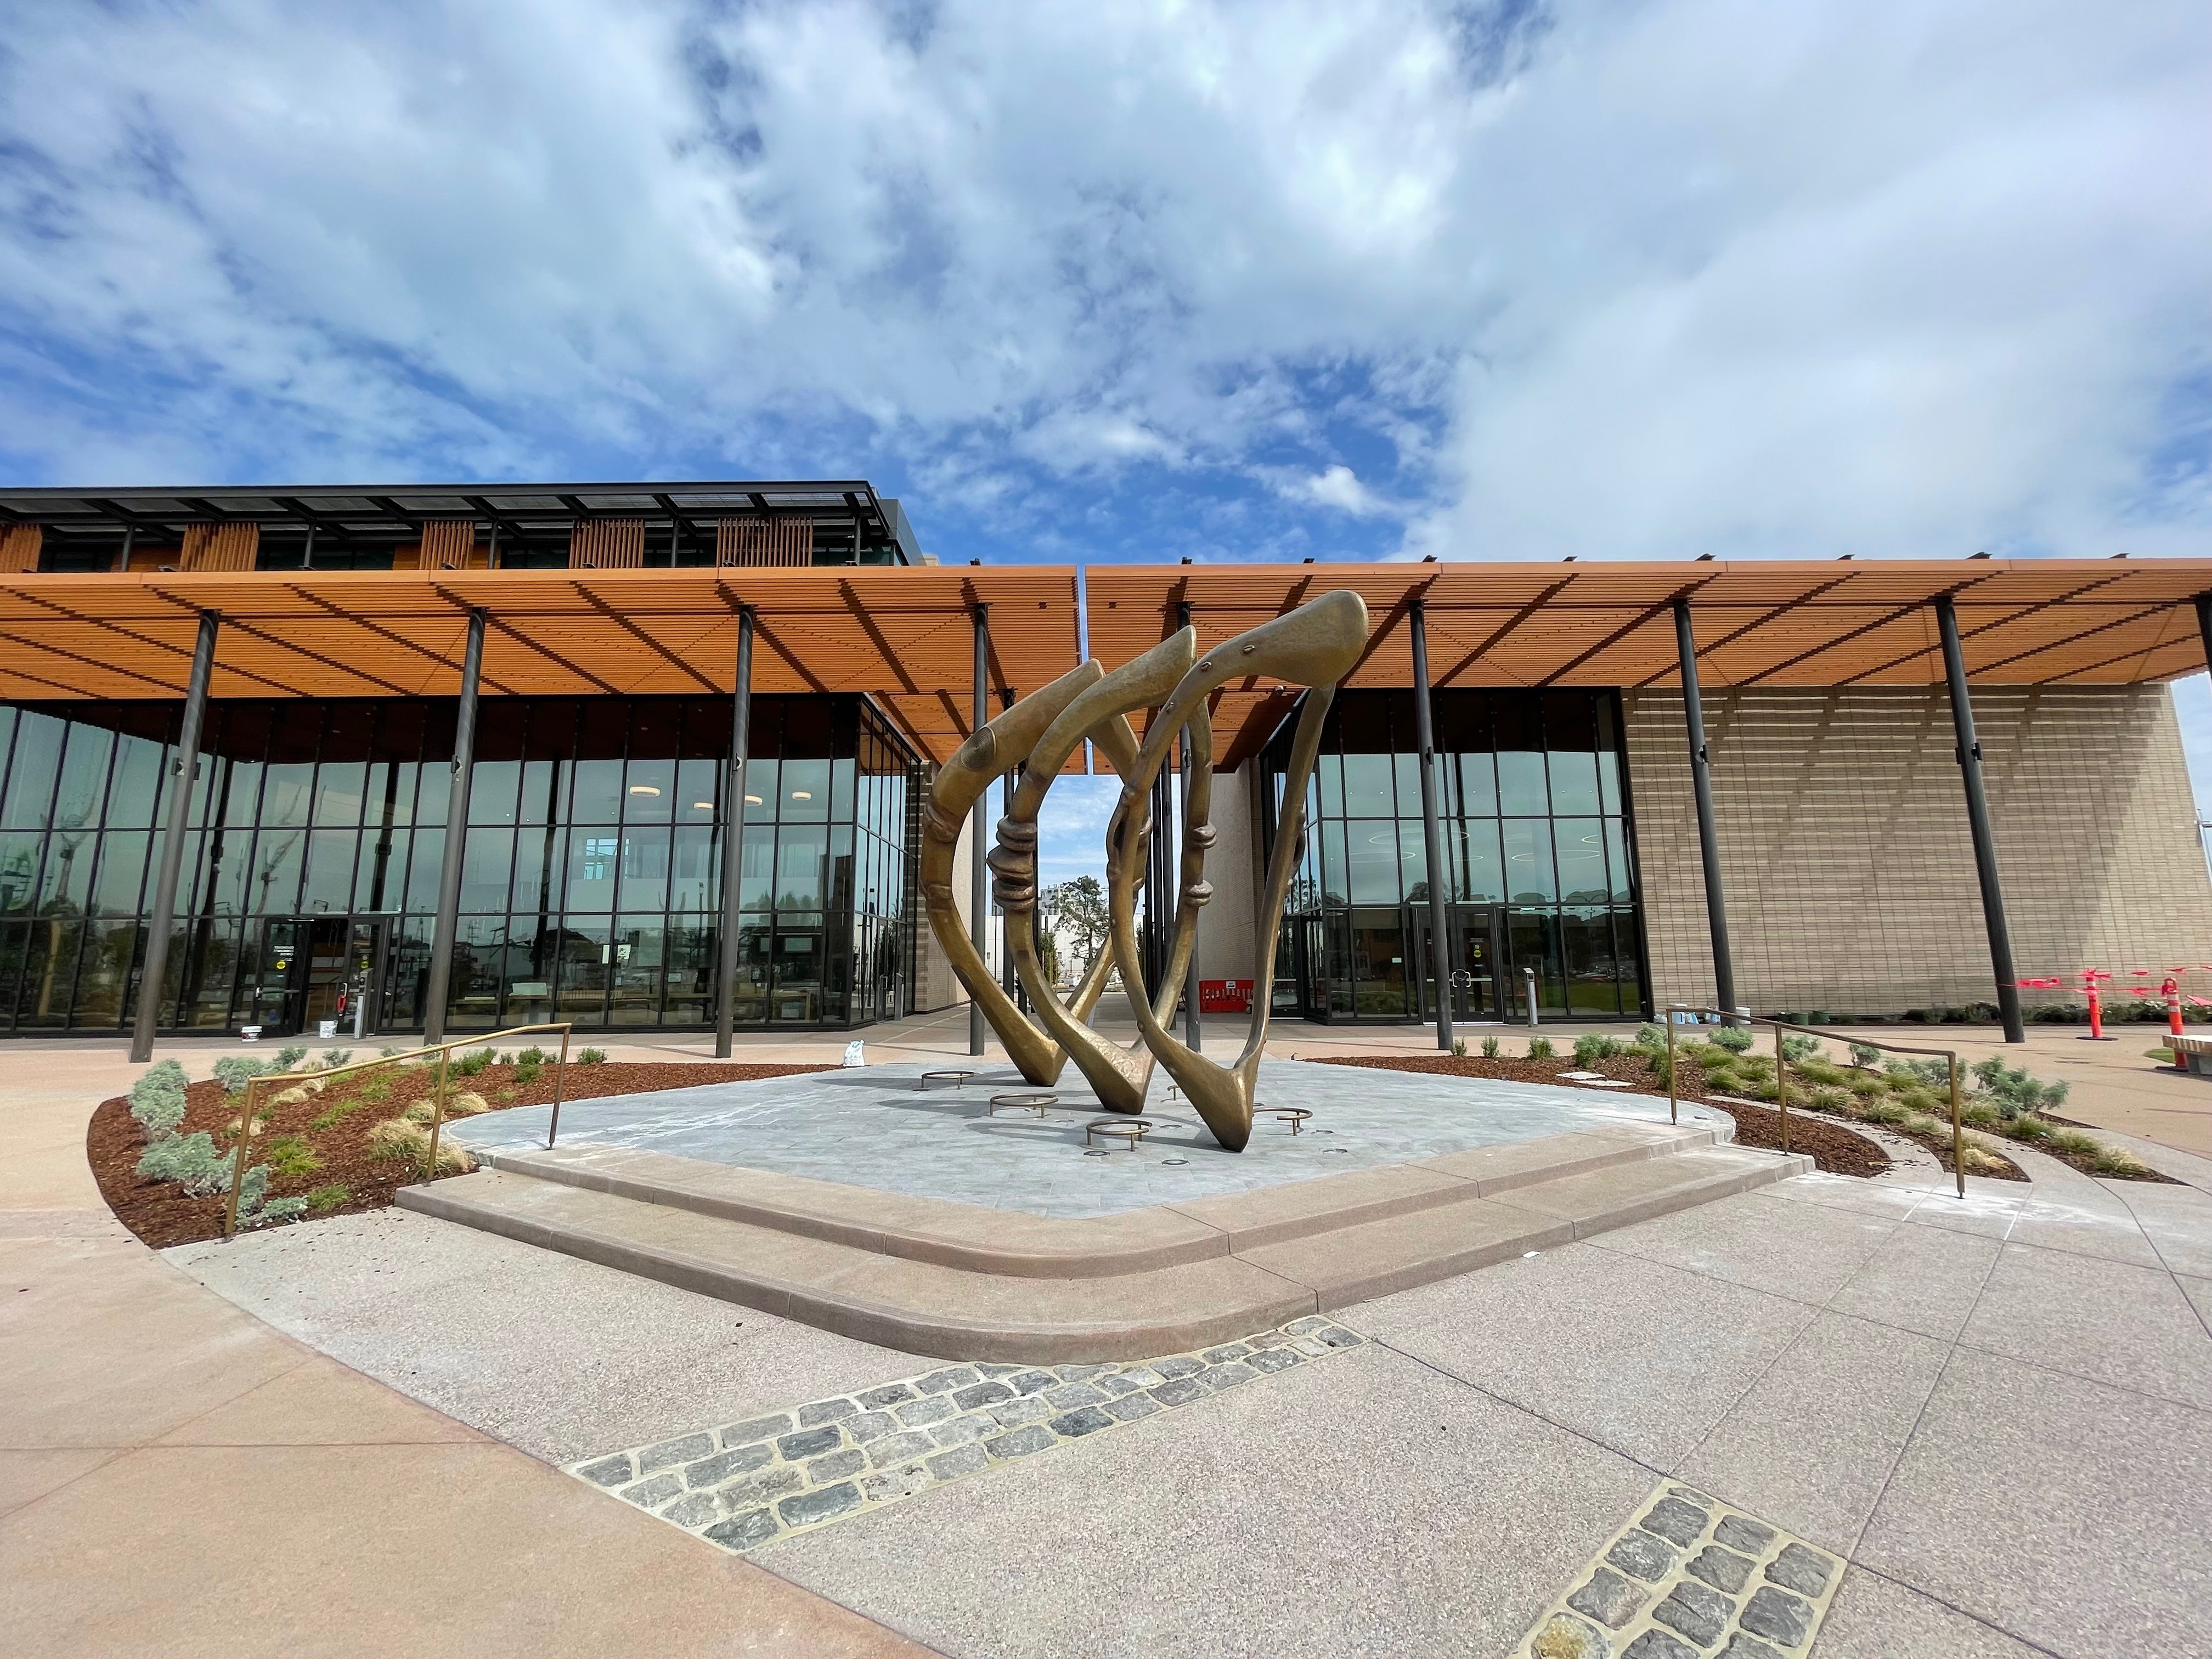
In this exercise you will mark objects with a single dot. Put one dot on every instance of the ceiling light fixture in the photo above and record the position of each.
(645, 789)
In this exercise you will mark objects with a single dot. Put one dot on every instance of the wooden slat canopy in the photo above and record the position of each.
(903, 634)
(2076, 622)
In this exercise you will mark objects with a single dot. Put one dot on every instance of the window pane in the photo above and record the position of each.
(1477, 776)
(804, 795)
(594, 861)
(1520, 781)
(380, 878)
(698, 789)
(761, 785)
(581, 987)
(103, 972)
(801, 850)
(1328, 776)
(1581, 843)
(692, 949)
(479, 961)
(1616, 853)
(539, 859)
(84, 777)
(1482, 879)
(423, 860)
(795, 984)
(19, 870)
(277, 857)
(1574, 781)
(329, 870)
(1623, 953)
(121, 873)
(1414, 861)
(487, 866)
(650, 795)
(645, 869)
(1367, 787)
(695, 867)
(1529, 861)
(30, 780)
(634, 977)
(1373, 844)
(1378, 963)
(138, 782)
(1335, 880)
(1586, 939)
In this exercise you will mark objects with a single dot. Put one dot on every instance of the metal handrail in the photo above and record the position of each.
(1782, 1071)
(256, 1087)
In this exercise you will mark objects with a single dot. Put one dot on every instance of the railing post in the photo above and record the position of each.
(1958, 1131)
(162, 914)
(438, 1110)
(733, 845)
(1674, 1091)
(560, 1091)
(441, 977)
(1782, 1087)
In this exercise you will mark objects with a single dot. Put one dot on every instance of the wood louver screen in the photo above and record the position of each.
(607, 544)
(764, 542)
(448, 543)
(220, 547)
(19, 545)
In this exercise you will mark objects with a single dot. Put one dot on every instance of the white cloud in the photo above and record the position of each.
(1630, 279)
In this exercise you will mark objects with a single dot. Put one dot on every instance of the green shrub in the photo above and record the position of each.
(1826, 1099)
(1736, 1039)
(1490, 1046)
(1884, 1110)
(157, 1100)
(1983, 1115)
(469, 1065)
(1798, 1049)
(1823, 1072)
(1917, 1099)
(2073, 1143)
(1459, 1052)
(334, 1058)
(256, 1208)
(1871, 1086)
(190, 1160)
(1539, 1049)
(599, 1056)
(1662, 1069)
(1865, 1054)
(324, 1200)
(2021, 1128)
(2014, 1090)
(1590, 1047)
(533, 1055)
(289, 1155)
(1920, 1123)
(1651, 1036)
(1927, 1073)
(234, 1071)
(289, 1056)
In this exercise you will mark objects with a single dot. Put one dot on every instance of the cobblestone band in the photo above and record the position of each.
(745, 1484)
(1691, 1578)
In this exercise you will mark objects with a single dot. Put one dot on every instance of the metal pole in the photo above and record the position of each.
(734, 836)
(560, 1092)
(163, 914)
(1432, 841)
(457, 822)
(1781, 1085)
(979, 898)
(1977, 821)
(130, 534)
(1673, 1095)
(438, 1111)
(1694, 713)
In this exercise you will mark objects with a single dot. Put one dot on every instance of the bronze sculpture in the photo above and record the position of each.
(1314, 645)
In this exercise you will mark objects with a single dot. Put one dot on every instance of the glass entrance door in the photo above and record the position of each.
(1470, 961)
(314, 969)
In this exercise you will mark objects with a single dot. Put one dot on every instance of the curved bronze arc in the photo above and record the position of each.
(1120, 1076)
(997, 748)
(1314, 644)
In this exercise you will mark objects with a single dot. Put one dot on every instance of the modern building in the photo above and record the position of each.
(463, 760)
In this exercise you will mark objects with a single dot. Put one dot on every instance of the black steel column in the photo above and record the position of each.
(2204, 625)
(979, 896)
(1431, 837)
(163, 912)
(734, 836)
(457, 823)
(1977, 820)
(1694, 713)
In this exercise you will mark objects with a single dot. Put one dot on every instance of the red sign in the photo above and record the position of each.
(1224, 996)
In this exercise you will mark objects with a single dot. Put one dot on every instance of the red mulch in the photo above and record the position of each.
(162, 1214)
(1833, 1148)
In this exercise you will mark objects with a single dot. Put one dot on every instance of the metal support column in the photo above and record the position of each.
(1977, 820)
(1433, 840)
(734, 836)
(163, 912)
(979, 893)
(457, 822)
(2204, 625)
(1701, 777)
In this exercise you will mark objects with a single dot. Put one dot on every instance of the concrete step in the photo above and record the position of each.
(1386, 1231)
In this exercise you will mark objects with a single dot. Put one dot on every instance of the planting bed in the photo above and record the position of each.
(332, 1128)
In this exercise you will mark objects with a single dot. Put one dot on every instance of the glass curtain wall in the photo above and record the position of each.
(590, 881)
(1536, 830)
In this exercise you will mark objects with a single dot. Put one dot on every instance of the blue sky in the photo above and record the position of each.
(1358, 280)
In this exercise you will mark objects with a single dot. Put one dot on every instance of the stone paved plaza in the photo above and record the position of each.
(1995, 1414)
(874, 1127)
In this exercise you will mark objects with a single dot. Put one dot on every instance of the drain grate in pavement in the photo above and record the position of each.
(747, 1484)
(1691, 1578)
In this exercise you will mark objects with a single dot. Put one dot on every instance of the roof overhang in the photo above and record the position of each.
(904, 635)
(1837, 623)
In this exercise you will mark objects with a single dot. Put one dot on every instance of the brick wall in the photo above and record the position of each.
(1845, 856)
